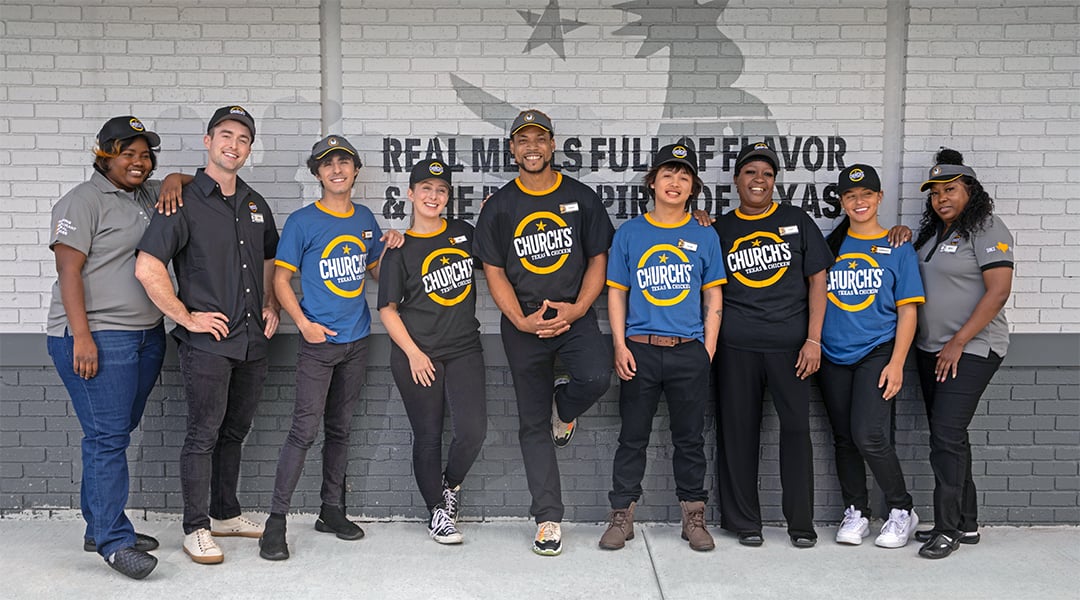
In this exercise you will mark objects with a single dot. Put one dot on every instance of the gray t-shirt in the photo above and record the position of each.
(105, 223)
(952, 272)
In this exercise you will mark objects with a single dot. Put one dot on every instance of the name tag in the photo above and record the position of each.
(567, 208)
(256, 218)
(688, 246)
(789, 230)
(948, 249)
(367, 235)
(880, 249)
(459, 239)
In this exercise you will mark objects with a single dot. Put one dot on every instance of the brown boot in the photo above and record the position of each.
(693, 526)
(620, 529)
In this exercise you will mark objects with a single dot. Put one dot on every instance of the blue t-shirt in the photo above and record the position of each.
(869, 280)
(333, 252)
(664, 268)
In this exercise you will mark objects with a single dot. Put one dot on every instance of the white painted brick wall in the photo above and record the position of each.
(996, 82)
(1004, 83)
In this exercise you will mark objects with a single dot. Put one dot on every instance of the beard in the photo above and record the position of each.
(543, 167)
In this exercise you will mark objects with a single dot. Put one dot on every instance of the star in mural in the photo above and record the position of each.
(548, 28)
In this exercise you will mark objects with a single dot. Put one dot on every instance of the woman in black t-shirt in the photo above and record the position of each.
(427, 301)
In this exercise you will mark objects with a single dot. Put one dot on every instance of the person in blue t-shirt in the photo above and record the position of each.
(664, 304)
(334, 244)
(870, 319)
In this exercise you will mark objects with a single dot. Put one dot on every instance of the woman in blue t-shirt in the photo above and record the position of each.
(870, 322)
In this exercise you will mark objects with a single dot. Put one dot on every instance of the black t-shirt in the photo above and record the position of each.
(218, 246)
(768, 258)
(543, 239)
(431, 280)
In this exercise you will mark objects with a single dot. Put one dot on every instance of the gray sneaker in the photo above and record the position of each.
(561, 432)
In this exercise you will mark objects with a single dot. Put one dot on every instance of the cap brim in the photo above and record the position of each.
(329, 150)
(930, 182)
(520, 127)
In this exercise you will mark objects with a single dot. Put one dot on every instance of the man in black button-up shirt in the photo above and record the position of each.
(222, 243)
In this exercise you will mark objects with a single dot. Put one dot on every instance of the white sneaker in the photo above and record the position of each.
(202, 548)
(853, 528)
(236, 527)
(897, 530)
(561, 431)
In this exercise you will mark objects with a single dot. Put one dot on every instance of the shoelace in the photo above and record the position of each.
(895, 525)
(618, 518)
(204, 540)
(549, 531)
(450, 500)
(697, 518)
(851, 519)
(441, 523)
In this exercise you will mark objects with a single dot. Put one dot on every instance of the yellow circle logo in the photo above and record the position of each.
(527, 255)
(856, 175)
(136, 124)
(434, 294)
(664, 248)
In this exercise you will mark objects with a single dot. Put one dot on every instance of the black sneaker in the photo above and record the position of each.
(548, 540)
(136, 564)
(450, 499)
(441, 527)
(332, 519)
(272, 545)
(143, 543)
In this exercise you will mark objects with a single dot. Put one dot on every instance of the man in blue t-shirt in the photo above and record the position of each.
(664, 304)
(334, 244)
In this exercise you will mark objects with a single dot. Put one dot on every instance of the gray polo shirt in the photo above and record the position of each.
(105, 223)
(952, 271)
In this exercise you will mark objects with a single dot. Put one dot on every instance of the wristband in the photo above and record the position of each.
(814, 342)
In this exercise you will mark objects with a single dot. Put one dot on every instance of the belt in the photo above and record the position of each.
(666, 341)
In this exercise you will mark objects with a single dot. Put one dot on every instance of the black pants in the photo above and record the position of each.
(681, 373)
(222, 395)
(950, 406)
(862, 429)
(587, 356)
(328, 382)
(741, 379)
(459, 386)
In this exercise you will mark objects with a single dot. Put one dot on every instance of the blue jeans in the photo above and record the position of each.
(109, 406)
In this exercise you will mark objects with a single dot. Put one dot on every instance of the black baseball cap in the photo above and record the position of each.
(676, 153)
(945, 174)
(235, 113)
(125, 128)
(429, 169)
(330, 144)
(756, 151)
(858, 176)
(533, 118)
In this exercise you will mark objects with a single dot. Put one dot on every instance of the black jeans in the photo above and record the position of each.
(459, 387)
(950, 406)
(222, 395)
(328, 382)
(862, 429)
(587, 356)
(681, 373)
(741, 379)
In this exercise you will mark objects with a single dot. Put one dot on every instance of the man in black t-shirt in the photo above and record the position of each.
(543, 239)
(774, 306)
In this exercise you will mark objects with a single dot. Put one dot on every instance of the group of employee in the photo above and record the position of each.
(757, 300)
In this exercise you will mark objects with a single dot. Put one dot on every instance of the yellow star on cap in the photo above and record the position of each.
(1003, 246)
(444, 260)
(756, 243)
(852, 265)
(663, 258)
(346, 249)
(541, 226)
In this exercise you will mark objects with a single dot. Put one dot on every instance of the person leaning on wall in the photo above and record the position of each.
(105, 336)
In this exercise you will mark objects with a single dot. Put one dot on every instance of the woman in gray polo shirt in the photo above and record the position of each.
(104, 335)
(966, 261)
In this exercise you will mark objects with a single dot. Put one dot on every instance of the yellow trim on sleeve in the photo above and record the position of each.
(618, 286)
(914, 300)
(714, 283)
(281, 263)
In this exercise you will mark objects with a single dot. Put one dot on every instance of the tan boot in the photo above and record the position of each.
(693, 526)
(620, 529)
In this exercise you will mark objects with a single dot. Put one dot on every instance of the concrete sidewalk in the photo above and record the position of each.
(43, 558)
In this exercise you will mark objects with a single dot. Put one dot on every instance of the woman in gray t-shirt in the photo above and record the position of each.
(104, 335)
(966, 262)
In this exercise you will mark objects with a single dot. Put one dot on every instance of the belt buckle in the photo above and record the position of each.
(666, 341)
